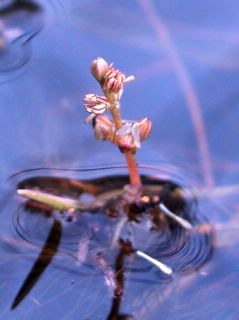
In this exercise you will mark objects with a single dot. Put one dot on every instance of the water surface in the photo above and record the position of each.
(184, 58)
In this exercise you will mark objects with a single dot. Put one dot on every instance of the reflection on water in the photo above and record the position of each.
(46, 255)
(184, 57)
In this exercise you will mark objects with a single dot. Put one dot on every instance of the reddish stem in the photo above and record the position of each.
(135, 179)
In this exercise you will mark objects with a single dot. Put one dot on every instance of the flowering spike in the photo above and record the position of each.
(126, 134)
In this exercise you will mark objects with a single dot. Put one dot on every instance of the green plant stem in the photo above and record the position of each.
(135, 179)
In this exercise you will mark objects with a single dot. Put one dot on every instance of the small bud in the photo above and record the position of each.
(103, 128)
(99, 68)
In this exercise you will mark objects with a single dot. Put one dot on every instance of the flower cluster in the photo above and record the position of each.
(110, 79)
(127, 135)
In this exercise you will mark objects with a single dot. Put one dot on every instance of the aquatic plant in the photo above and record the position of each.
(138, 218)
(127, 135)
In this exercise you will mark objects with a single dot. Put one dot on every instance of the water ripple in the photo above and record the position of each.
(20, 22)
(93, 234)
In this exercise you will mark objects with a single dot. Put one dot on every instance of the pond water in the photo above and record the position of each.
(184, 58)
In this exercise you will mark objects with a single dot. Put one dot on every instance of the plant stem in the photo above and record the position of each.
(135, 179)
(116, 115)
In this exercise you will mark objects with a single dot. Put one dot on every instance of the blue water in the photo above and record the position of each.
(184, 58)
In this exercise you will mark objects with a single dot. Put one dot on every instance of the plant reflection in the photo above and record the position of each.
(45, 257)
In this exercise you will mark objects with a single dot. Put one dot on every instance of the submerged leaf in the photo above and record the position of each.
(56, 202)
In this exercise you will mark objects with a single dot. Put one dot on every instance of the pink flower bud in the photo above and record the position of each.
(103, 128)
(99, 68)
(113, 84)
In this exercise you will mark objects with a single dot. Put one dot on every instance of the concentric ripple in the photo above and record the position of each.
(93, 234)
